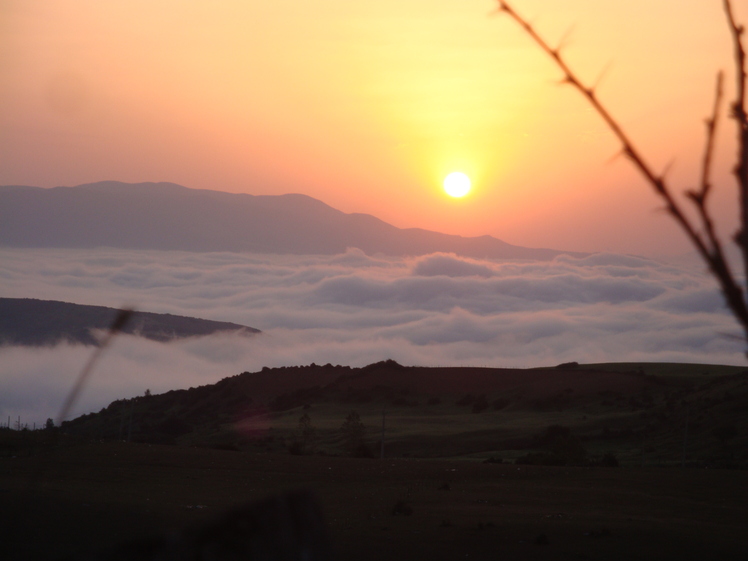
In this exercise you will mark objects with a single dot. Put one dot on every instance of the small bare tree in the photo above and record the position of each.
(354, 436)
(701, 231)
(305, 439)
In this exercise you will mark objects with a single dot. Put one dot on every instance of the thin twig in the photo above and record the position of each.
(565, 38)
(699, 197)
(711, 131)
(602, 75)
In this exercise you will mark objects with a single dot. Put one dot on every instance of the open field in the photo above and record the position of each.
(550, 491)
(95, 494)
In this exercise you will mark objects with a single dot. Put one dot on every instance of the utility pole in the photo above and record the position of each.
(685, 441)
(129, 430)
(381, 450)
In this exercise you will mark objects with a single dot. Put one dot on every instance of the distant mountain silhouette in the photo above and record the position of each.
(25, 321)
(171, 217)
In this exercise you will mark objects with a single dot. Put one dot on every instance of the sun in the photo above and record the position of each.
(457, 184)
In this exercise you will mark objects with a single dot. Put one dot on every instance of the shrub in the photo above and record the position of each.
(305, 439)
(354, 432)
(567, 365)
(402, 508)
(466, 400)
(480, 404)
(500, 403)
(173, 426)
(562, 448)
(609, 460)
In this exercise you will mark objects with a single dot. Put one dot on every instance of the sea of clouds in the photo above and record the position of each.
(355, 309)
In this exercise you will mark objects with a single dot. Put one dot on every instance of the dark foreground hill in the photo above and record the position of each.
(69, 492)
(168, 217)
(26, 321)
(633, 414)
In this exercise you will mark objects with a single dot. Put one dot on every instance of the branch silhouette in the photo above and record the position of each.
(123, 316)
(701, 232)
(119, 322)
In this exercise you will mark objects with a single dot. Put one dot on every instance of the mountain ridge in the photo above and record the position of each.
(33, 322)
(168, 216)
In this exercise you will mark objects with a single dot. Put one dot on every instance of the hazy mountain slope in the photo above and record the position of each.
(167, 216)
(25, 321)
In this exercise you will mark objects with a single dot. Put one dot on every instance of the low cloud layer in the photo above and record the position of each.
(356, 309)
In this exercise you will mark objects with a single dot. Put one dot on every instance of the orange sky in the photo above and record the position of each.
(368, 105)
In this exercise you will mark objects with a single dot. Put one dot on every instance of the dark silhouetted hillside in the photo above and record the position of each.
(25, 321)
(577, 415)
(168, 217)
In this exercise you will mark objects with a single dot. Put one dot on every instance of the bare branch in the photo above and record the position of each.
(628, 146)
(707, 245)
(739, 109)
(123, 316)
(711, 130)
(741, 118)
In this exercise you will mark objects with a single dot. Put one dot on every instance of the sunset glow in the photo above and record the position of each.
(387, 96)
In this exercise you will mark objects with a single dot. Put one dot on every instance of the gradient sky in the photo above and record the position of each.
(368, 105)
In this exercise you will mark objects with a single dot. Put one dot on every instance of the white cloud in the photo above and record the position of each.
(451, 266)
(356, 309)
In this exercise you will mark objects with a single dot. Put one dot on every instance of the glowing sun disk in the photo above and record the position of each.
(457, 184)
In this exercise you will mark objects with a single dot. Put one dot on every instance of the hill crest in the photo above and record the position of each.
(32, 322)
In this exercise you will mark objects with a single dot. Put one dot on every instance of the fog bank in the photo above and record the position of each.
(355, 309)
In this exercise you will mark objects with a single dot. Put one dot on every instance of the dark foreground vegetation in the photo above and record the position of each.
(617, 461)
